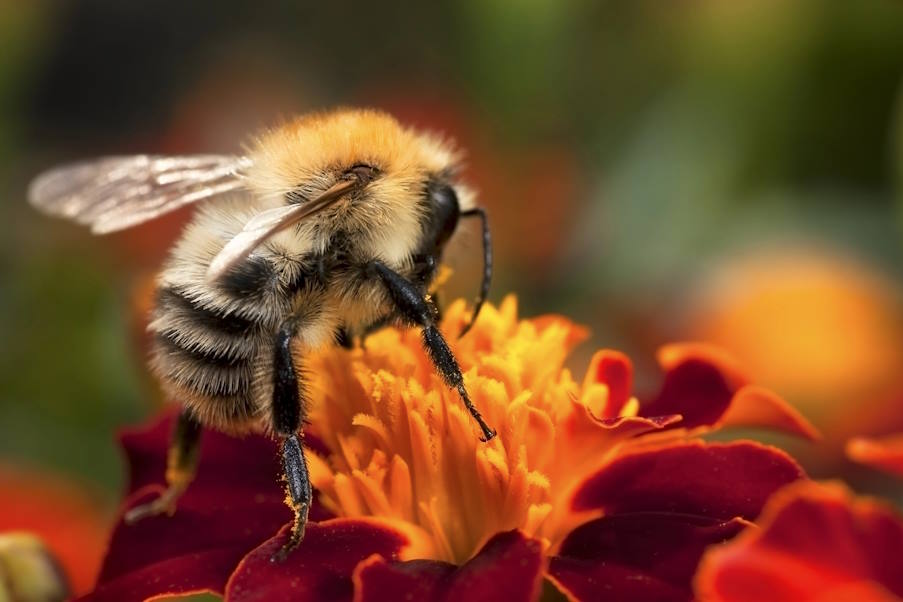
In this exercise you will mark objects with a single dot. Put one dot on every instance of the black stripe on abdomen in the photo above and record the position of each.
(207, 354)
(173, 303)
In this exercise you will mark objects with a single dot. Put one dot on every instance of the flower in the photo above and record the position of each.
(885, 453)
(403, 447)
(585, 486)
(815, 542)
(28, 571)
(839, 319)
(57, 512)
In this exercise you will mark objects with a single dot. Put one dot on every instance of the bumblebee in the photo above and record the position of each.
(328, 227)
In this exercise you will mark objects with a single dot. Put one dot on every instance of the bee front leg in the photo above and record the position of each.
(288, 407)
(344, 338)
(181, 466)
(412, 305)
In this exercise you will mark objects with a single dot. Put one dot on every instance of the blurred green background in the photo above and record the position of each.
(719, 170)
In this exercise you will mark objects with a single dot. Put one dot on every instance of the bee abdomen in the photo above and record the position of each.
(206, 358)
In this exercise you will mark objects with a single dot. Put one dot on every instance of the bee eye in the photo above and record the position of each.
(363, 172)
(445, 209)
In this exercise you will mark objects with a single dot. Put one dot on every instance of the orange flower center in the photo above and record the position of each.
(402, 446)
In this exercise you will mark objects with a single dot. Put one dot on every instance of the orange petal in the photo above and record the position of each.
(576, 333)
(757, 406)
(62, 514)
(884, 453)
(615, 371)
(710, 389)
(815, 542)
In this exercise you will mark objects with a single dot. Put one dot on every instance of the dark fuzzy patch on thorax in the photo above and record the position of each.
(250, 278)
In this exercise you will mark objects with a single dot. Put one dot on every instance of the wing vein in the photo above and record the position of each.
(114, 193)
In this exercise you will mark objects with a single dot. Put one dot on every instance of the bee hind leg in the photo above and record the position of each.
(181, 466)
(288, 407)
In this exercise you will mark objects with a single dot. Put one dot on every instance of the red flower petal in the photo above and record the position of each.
(645, 556)
(319, 569)
(235, 503)
(204, 571)
(673, 355)
(694, 388)
(583, 580)
(816, 541)
(715, 480)
(885, 453)
(508, 567)
(615, 371)
(626, 427)
(707, 387)
(377, 579)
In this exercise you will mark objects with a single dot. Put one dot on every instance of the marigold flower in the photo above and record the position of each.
(840, 320)
(58, 513)
(885, 453)
(28, 570)
(585, 487)
(816, 542)
(403, 448)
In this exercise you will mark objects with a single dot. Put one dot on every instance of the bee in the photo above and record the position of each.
(328, 227)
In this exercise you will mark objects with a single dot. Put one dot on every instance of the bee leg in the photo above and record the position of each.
(425, 267)
(344, 338)
(288, 406)
(436, 306)
(181, 466)
(297, 484)
(412, 305)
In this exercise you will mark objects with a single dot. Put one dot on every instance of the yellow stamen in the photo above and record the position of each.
(403, 448)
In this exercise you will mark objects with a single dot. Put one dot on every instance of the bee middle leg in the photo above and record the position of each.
(288, 407)
(412, 306)
(181, 466)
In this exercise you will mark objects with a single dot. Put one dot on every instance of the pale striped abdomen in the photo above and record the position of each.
(213, 345)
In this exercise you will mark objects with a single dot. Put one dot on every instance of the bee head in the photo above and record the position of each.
(403, 200)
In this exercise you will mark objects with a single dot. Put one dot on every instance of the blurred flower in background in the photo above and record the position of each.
(817, 542)
(883, 453)
(59, 512)
(824, 330)
(28, 571)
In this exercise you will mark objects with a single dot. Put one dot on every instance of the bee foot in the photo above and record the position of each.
(295, 537)
(165, 504)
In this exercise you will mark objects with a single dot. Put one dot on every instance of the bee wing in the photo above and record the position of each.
(267, 223)
(114, 193)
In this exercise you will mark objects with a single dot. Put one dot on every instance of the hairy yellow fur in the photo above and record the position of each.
(383, 220)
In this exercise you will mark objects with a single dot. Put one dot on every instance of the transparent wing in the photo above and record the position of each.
(267, 223)
(115, 193)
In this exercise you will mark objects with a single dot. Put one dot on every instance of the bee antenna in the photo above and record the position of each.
(487, 265)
